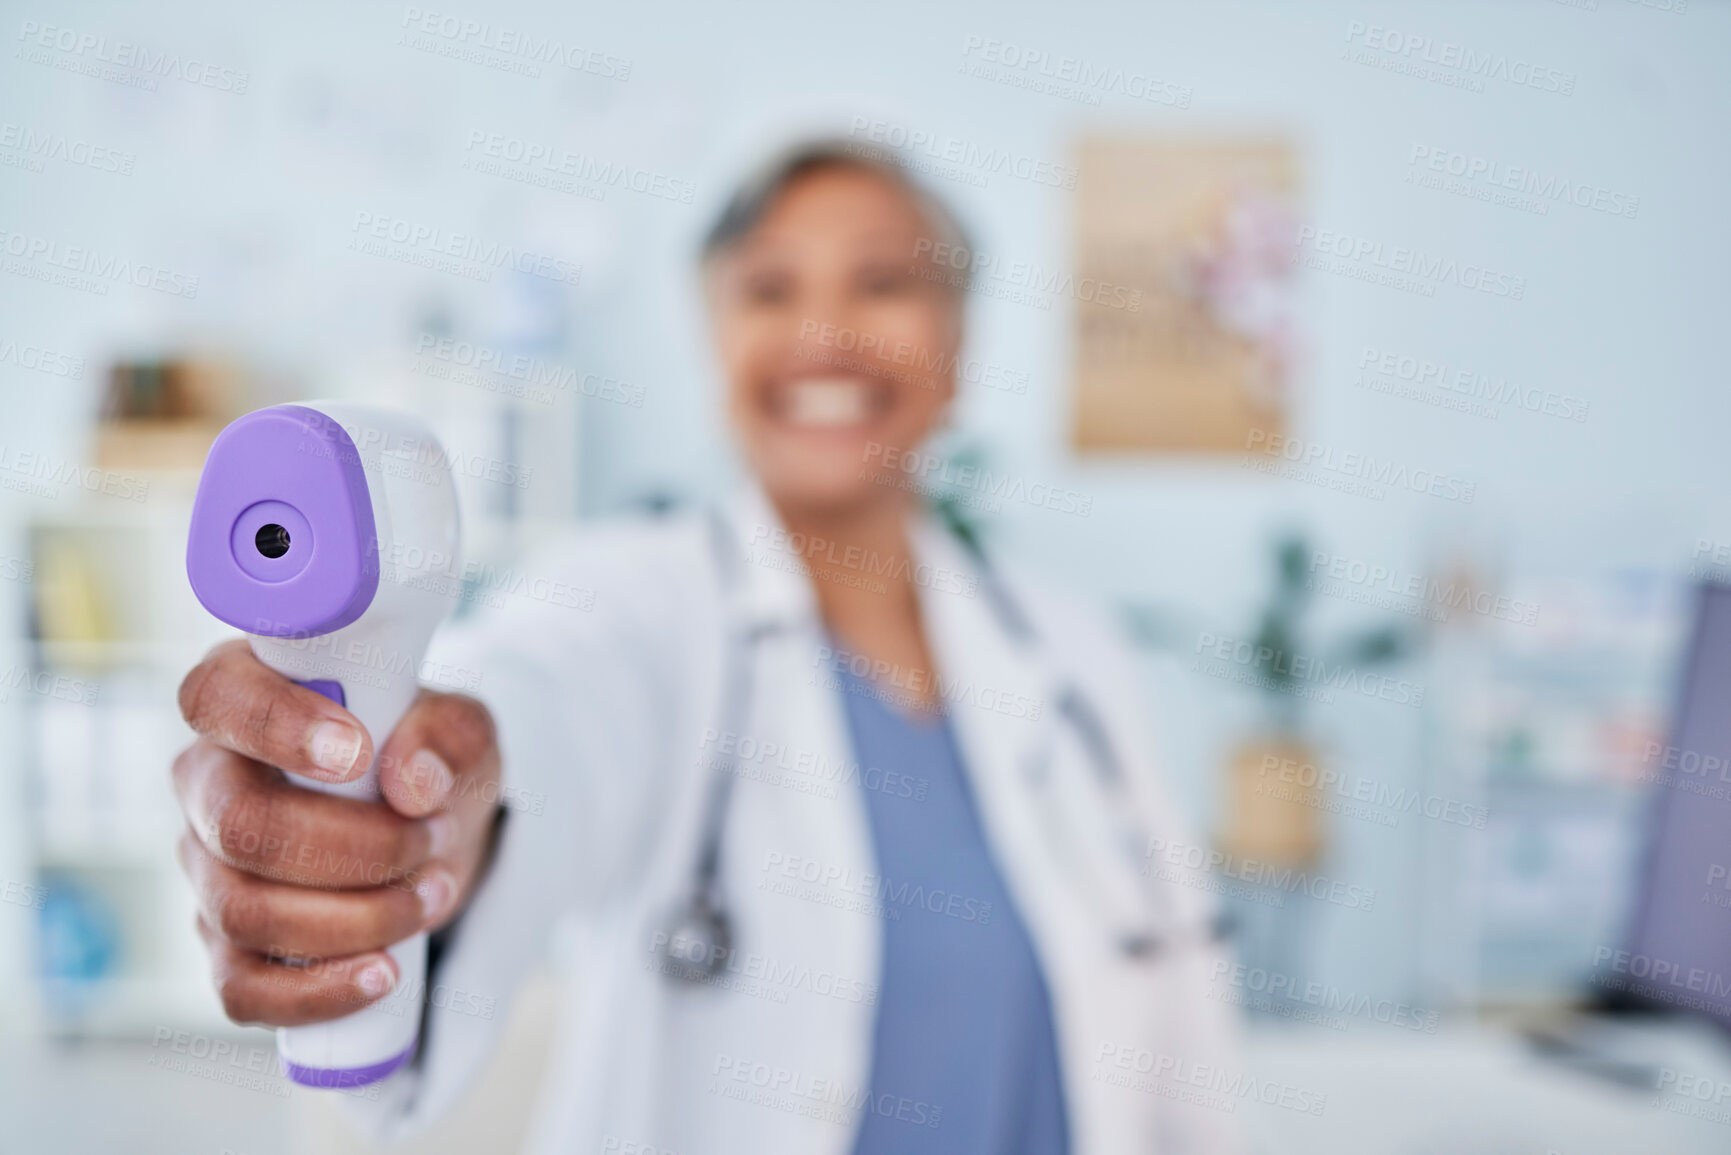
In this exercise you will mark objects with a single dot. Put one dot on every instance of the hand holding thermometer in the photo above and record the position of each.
(328, 532)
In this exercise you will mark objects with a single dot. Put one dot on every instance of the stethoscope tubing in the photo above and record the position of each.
(705, 906)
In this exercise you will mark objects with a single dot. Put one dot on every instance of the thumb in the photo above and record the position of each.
(442, 742)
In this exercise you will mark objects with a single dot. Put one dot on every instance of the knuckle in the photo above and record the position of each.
(182, 772)
(401, 846)
(396, 917)
(239, 1000)
(276, 813)
(467, 725)
(191, 857)
(218, 818)
(259, 722)
(194, 689)
(235, 912)
(235, 815)
(319, 1004)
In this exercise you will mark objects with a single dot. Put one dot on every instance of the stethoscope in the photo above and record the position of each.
(698, 934)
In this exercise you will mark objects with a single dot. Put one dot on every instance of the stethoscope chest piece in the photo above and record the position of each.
(698, 942)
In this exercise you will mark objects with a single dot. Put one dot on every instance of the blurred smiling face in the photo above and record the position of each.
(833, 344)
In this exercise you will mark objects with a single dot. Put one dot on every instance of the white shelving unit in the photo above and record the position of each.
(99, 729)
(1544, 727)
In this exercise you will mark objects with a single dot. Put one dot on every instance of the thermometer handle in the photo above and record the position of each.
(368, 1045)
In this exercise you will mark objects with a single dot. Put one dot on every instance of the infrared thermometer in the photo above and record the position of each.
(328, 532)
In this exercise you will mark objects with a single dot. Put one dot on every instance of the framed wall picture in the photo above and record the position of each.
(1198, 351)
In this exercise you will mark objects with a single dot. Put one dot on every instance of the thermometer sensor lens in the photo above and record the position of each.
(272, 540)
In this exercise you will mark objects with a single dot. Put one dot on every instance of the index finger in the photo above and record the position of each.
(252, 818)
(243, 705)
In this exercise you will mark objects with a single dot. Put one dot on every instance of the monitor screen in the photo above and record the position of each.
(1678, 951)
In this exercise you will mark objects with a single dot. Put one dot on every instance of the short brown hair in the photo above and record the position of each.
(757, 194)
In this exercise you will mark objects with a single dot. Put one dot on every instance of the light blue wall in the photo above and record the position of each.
(257, 194)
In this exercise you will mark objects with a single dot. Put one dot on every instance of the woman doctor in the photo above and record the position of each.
(856, 830)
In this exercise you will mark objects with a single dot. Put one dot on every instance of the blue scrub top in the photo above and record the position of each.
(965, 1057)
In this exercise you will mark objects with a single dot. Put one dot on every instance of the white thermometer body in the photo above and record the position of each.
(328, 532)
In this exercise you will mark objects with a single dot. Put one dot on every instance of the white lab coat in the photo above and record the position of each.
(603, 715)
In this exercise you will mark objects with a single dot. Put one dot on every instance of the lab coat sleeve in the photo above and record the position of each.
(581, 707)
(1198, 1029)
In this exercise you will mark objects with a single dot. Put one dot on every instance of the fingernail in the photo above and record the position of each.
(441, 834)
(438, 890)
(430, 778)
(335, 747)
(375, 979)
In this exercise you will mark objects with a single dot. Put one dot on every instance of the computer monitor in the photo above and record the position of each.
(1677, 951)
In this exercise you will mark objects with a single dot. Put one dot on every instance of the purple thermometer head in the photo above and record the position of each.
(282, 541)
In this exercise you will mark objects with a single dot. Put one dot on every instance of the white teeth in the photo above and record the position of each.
(827, 403)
